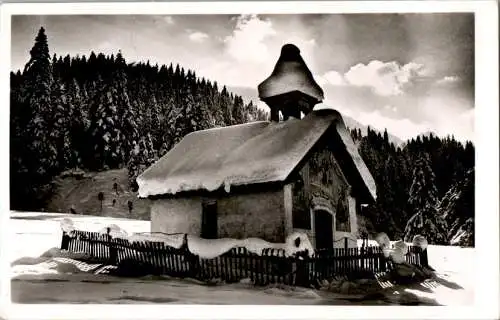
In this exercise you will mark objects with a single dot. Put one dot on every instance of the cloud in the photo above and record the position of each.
(384, 78)
(402, 128)
(407, 119)
(448, 80)
(246, 44)
(198, 36)
(332, 77)
(250, 50)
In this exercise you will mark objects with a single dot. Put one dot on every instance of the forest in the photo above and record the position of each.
(99, 113)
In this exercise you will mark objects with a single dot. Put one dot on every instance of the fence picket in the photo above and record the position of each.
(99, 247)
(163, 257)
(245, 262)
(169, 262)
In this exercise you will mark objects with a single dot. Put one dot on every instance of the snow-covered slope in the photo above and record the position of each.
(80, 192)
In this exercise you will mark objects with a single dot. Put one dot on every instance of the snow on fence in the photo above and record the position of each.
(272, 266)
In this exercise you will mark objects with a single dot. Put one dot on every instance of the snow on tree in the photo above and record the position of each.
(104, 130)
(143, 155)
(77, 126)
(151, 119)
(113, 128)
(134, 166)
(128, 134)
(37, 90)
(426, 220)
(238, 110)
(420, 241)
(464, 235)
(457, 208)
(60, 133)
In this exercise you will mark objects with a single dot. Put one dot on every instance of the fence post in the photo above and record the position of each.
(302, 272)
(346, 245)
(64, 241)
(424, 262)
(113, 254)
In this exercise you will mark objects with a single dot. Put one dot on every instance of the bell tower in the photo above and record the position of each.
(291, 88)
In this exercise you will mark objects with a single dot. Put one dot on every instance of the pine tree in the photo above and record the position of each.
(33, 155)
(60, 133)
(104, 131)
(134, 166)
(238, 110)
(426, 219)
(457, 208)
(37, 89)
(77, 126)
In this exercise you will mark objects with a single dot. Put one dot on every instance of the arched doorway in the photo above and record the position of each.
(323, 226)
(323, 216)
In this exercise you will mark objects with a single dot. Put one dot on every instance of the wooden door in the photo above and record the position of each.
(323, 226)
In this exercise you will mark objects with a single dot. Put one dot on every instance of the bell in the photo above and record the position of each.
(291, 87)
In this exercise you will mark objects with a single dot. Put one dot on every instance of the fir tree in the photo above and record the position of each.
(457, 208)
(60, 133)
(77, 126)
(426, 219)
(37, 89)
(34, 154)
(134, 166)
(104, 131)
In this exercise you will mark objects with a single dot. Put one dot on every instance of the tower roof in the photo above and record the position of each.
(290, 74)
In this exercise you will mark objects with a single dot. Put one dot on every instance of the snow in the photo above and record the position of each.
(351, 147)
(400, 245)
(420, 241)
(209, 249)
(114, 231)
(212, 248)
(383, 241)
(204, 248)
(396, 250)
(290, 75)
(397, 255)
(67, 225)
(242, 154)
(172, 240)
(41, 273)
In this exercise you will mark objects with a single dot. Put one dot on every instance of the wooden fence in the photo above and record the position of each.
(270, 267)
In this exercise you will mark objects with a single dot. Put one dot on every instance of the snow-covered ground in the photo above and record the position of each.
(41, 274)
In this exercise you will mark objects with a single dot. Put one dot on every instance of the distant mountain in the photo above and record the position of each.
(250, 94)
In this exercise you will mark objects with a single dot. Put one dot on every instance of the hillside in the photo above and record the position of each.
(80, 192)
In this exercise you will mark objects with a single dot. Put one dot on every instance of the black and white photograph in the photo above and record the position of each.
(246, 158)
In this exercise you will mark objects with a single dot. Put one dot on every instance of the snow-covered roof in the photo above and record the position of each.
(256, 152)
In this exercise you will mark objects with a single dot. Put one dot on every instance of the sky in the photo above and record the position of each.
(409, 73)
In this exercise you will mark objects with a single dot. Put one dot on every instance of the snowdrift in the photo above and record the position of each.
(295, 243)
(396, 250)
